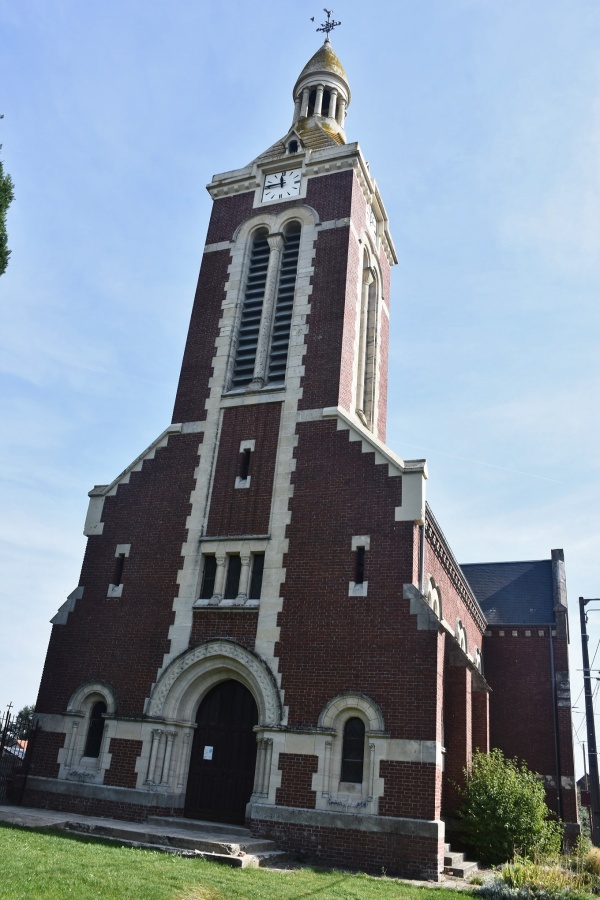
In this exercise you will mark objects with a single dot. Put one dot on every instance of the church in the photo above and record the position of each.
(270, 626)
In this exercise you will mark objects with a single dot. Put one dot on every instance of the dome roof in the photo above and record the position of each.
(324, 60)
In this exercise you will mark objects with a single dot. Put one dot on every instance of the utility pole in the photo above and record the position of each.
(591, 728)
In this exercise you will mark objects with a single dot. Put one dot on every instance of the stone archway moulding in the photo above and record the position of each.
(349, 702)
(187, 679)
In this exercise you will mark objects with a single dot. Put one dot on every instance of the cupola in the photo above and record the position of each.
(321, 93)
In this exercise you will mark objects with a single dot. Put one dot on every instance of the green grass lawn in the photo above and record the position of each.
(52, 864)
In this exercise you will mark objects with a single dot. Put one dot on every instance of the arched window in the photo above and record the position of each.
(266, 318)
(293, 147)
(95, 730)
(367, 345)
(353, 751)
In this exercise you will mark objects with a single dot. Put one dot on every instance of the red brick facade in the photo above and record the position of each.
(329, 640)
(296, 779)
(122, 767)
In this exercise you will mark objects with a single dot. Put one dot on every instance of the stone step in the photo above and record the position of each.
(242, 852)
(464, 870)
(197, 825)
(456, 864)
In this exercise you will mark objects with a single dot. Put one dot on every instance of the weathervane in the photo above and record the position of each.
(329, 25)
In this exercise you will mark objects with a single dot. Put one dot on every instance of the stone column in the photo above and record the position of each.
(333, 103)
(183, 760)
(171, 735)
(156, 736)
(72, 741)
(244, 586)
(341, 112)
(297, 107)
(304, 105)
(259, 380)
(219, 578)
(319, 100)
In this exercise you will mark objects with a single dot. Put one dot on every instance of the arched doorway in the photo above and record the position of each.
(221, 772)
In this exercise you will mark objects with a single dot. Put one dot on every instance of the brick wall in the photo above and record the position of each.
(235, 511)
(377, 853)
(44, 758)
(93, 806)
(236, 625)
(296, 780)
(323, 358)
(411, 789)
(122, 766)
(517, 664)
(458, 733)
(331, 642)
(196, 368)
(122, 641)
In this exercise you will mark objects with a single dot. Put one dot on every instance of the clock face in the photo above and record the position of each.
(281, 185)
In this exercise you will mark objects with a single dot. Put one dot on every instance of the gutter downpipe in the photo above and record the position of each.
(555, 728)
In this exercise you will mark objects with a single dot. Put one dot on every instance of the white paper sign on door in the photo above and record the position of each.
(208, 753)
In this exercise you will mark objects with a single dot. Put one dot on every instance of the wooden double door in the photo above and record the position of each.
(223, 759)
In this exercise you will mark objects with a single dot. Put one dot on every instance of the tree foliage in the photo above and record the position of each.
(504, 810)
(6, 197)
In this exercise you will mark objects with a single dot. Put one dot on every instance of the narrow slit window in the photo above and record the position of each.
(232, 584)
(245, 463)
(258, 565)
(118, 573)
(208, 577)
(95, 731)
(245, 357)
(282, 321)
(360, 566)
(353, 751)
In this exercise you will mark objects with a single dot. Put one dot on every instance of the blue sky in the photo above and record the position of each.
(481, 122)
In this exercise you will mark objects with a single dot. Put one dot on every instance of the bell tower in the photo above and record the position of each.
(299, 245)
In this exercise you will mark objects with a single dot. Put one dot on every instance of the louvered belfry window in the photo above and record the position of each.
(282, 321)
(273, 322)
(251, 312)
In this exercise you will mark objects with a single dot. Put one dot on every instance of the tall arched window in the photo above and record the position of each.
(95, 731)
(266, 317)
(367, 345)
(353, 751)
(282, 320)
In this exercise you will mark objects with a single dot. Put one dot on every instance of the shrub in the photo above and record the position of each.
(504, 811)
(591, 862)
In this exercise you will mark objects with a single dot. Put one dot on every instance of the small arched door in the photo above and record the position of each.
(221, 773)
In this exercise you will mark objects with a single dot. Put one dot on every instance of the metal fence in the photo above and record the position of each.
(17, 738)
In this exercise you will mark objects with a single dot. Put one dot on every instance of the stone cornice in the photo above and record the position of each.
(443, 552)
(314, 163)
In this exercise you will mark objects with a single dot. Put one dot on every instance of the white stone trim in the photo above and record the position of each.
(60, 618)
(414, 472)
(361, 540)
(93, 522)
(180, 690)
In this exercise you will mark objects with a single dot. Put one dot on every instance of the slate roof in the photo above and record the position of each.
(513, 593)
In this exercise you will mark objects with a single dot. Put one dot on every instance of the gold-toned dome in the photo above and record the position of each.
(324, 60)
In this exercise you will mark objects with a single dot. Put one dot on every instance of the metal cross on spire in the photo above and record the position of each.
(330, 24)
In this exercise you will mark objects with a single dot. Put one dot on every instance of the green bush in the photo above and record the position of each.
(504, 811)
